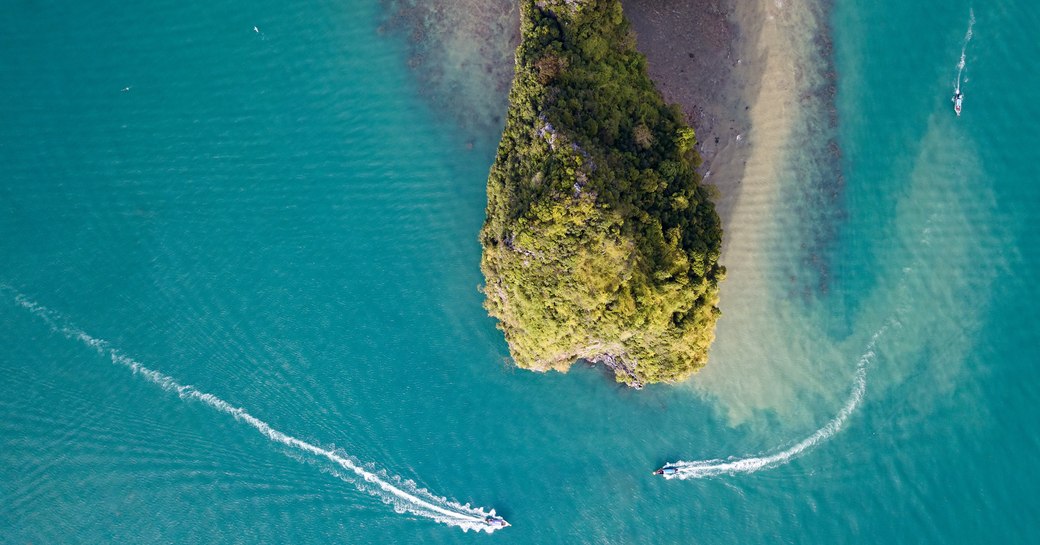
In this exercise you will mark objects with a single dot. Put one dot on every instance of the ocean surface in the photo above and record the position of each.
(238, 301)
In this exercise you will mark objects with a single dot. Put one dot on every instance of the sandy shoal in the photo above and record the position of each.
(755, 81)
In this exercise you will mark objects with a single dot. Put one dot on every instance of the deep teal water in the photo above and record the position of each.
(279, 219)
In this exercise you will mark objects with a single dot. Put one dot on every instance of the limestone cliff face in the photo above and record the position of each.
(600, 243)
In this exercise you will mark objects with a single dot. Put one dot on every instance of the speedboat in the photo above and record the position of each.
(957, 99)
(495, 521)
(667, 470)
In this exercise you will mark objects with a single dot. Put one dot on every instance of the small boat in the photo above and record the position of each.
(495, 521)
(957, 99)
(666, 471)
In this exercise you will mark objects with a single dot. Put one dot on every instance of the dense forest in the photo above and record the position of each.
(600, 242)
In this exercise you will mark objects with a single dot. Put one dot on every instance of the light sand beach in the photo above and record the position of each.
(755, 81)
(777, 172)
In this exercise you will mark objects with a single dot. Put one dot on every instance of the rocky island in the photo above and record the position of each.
(600, 242)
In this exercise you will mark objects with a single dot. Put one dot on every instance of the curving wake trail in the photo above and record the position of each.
(404, 496)
(711, 468)
(964, 50)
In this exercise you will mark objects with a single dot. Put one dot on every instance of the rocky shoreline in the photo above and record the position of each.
(623, 372)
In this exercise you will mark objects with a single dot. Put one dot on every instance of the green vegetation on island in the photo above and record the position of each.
(600, 243)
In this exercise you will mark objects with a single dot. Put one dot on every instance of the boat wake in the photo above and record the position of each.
(711, 468)
(405, 496)
(964, 51)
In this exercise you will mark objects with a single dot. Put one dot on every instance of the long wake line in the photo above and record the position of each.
(710, 468)
(417, 501)
(964, 49)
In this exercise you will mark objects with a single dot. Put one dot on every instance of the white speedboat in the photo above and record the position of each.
(667, 471)
(495, 521)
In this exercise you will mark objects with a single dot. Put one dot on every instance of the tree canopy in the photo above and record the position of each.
(600, 242)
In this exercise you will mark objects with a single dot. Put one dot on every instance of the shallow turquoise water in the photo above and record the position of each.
(278, 219)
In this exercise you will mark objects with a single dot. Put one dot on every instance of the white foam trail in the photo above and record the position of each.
(414, 500)
(710, 468)
(964, 49)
